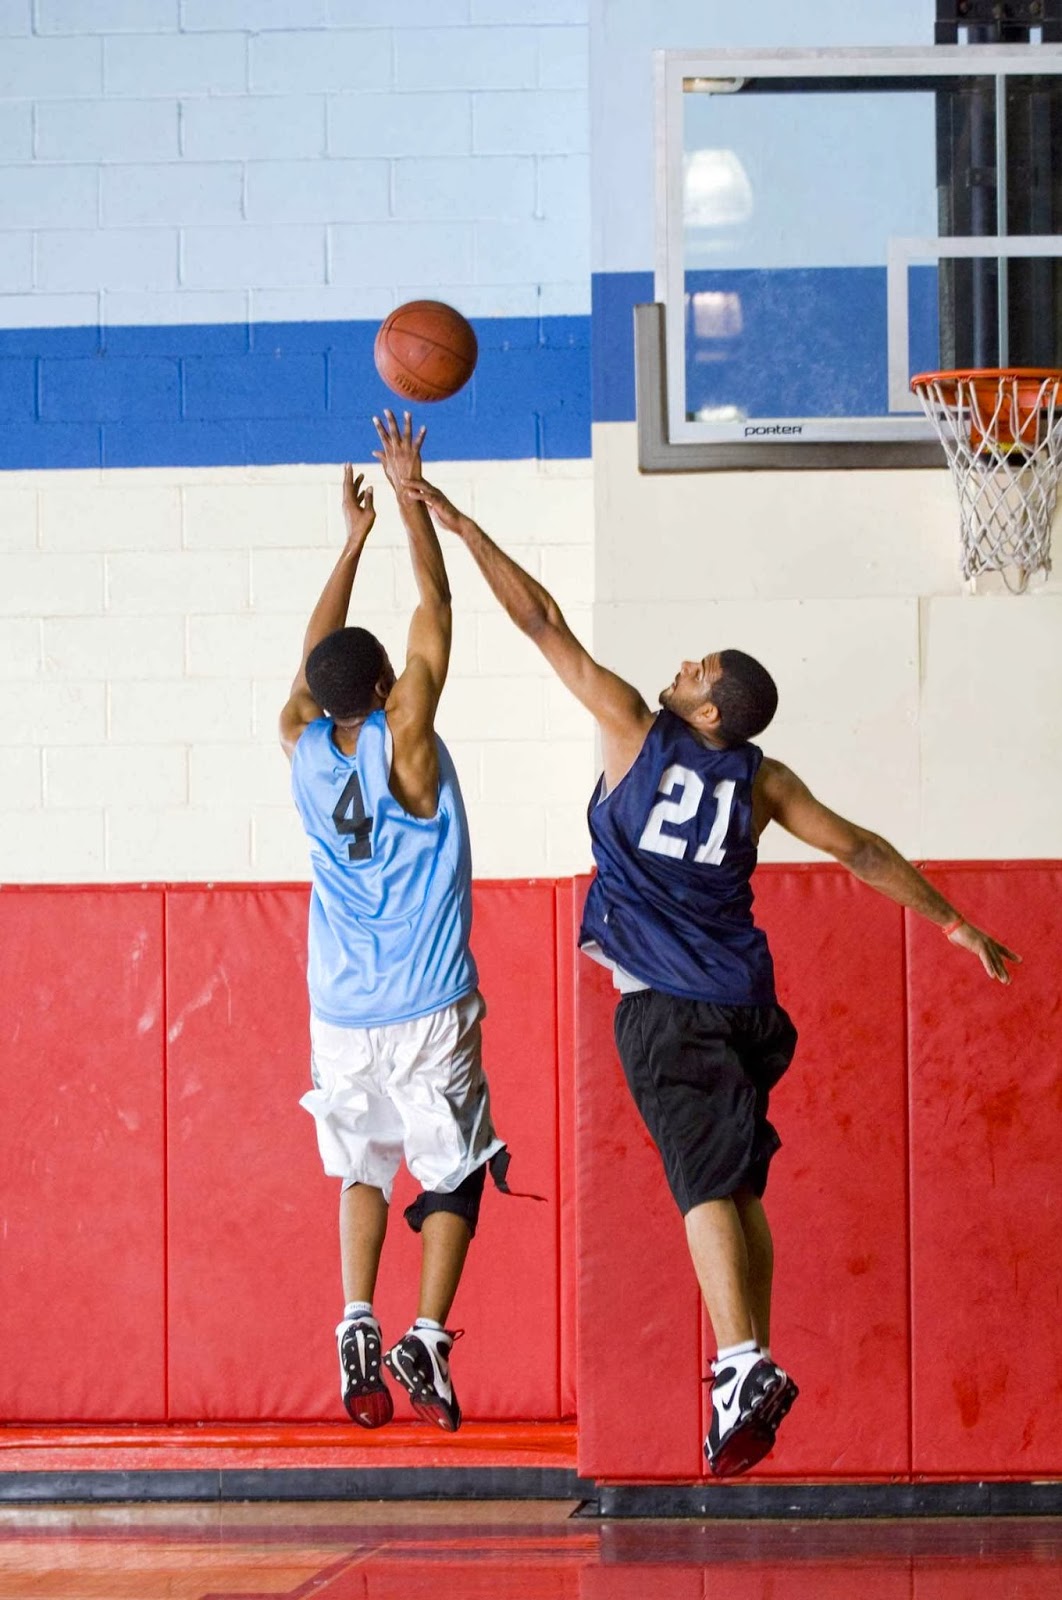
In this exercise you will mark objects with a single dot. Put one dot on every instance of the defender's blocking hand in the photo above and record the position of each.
(443, 510)
(992, 955)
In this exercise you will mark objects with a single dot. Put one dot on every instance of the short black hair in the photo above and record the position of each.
(343, 670)
(745, 696)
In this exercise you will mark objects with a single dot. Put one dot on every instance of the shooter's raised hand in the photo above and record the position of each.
(400, 450)
(359, 514)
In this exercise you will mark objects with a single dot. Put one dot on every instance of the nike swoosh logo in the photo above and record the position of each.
(726, 1406)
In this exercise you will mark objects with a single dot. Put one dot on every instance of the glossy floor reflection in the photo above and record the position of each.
(507, 1551)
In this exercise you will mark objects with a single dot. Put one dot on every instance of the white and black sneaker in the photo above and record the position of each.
(421, 1363)
(748, 1403)
(365, 1394)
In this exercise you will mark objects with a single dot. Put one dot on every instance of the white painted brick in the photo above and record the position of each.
(564, 187)
(40, 584)
(330, 61)
(471, 593)
(490, 709)
(399, 125)
(218, 258)
(16, 131)
(542, 511)
(48, 197)
(279, 852)
(566, 718)
(536, 250)
(107, 130)
(101, 775)
(246, 516)
(20, 779)
(167, 713)
(48, 310)
(239, 775)
(503, 650)
(20, 649)
(178, 843)
(568, 573)
(482, 300)
(16, 263)
(116, 258)
(329, 304)
(466, 58)
(45, 69)
(542, 122)
(268, 697)
(549, 772)
(149, 196)
(568, 840)
(246, 129)
(253, 16)
(541, 11)
(318, 191)
(466, 759)
(188, 581)
(244, 646)
(51, 847)
(55, 713)
(18, 519)
(508, 841)
(290, 581)
(401, 253)
(414, 14)
(107, 16)
(123, 307)
(16, 17)
(564, 58)
(122, 519)
(187, 64)
(465, 188)
(114, 647)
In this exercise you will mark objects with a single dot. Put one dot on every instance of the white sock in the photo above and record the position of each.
(429, 1325)
(355, 1309)
(730, 1352)
(738, 1359)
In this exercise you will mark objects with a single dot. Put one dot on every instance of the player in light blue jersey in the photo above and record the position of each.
(395, 1011)
(674, 824)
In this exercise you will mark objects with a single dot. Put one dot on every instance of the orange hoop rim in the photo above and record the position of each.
(984, 378)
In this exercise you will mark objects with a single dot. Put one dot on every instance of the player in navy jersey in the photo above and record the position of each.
(674, 823)
(395, 1011)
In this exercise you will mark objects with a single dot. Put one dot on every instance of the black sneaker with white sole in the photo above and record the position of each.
(365, 1394)
(420, 1361)
(746, 1412)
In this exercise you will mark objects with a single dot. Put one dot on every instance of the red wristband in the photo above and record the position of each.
(951, 926)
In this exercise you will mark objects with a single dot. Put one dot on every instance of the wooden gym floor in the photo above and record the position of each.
(507, 1550)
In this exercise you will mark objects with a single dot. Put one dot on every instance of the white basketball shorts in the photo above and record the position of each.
(405, 1089)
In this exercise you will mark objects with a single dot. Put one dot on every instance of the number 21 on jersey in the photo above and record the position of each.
(682, 792)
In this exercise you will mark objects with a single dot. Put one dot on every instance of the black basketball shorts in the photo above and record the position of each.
(701, 1076)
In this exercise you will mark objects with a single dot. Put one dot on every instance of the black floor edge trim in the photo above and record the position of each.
(748, 1502)
(298, 1483)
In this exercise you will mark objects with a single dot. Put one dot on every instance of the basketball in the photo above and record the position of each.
(425, 350)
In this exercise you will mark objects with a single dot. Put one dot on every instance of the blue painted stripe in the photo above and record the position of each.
(806, 343)
(277, 393)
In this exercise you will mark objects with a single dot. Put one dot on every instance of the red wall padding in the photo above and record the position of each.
(639, 1348)
(986, 1149)
(82, 1249)
(837, 1199)
(254, 1259)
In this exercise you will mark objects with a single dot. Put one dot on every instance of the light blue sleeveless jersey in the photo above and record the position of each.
(391, 908)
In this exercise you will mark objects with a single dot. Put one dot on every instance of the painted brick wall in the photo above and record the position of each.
(205, 208)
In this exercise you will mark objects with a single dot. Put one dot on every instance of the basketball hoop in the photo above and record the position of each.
(1002, 434)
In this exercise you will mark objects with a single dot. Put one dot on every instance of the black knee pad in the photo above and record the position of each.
(464, 1202)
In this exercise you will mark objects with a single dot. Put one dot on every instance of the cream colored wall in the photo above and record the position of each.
(918, 709)
(151, 623)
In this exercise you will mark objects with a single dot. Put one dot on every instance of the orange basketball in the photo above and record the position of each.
(425, 350)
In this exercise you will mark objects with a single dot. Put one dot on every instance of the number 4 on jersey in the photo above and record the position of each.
(349, 817)
(680, 810)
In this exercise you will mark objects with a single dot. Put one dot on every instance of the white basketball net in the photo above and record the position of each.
(1003, 441)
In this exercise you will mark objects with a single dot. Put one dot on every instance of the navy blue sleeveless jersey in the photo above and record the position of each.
(672, 902)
